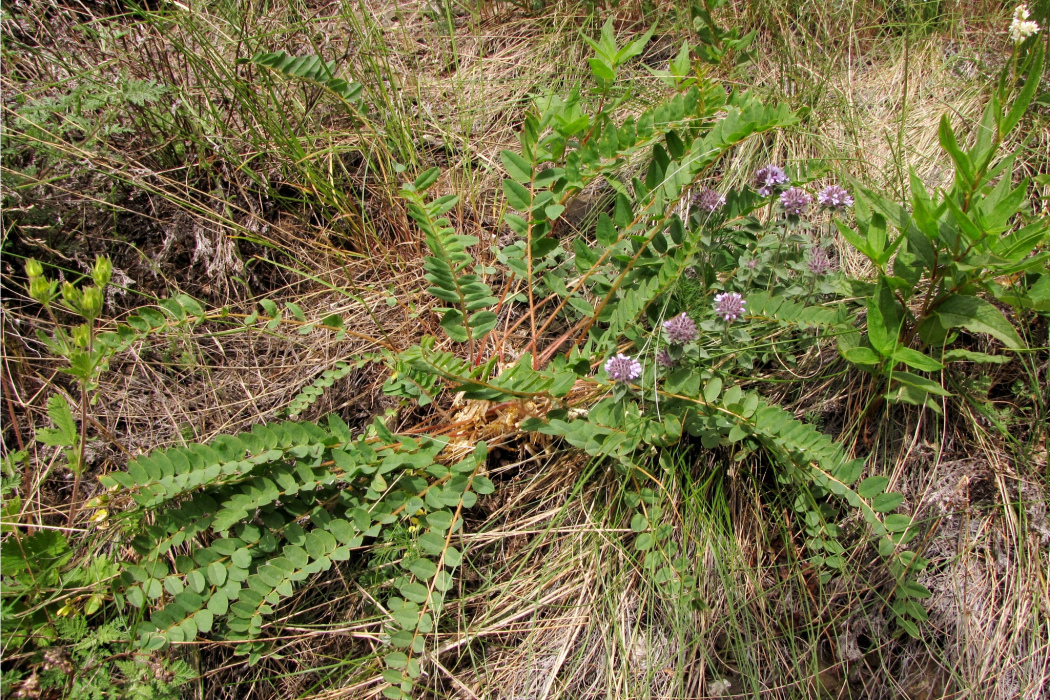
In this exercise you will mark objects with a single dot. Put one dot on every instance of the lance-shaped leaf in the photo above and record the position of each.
(979, 316)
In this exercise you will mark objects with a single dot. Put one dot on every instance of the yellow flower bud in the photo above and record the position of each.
(98, 501)
(34, 268)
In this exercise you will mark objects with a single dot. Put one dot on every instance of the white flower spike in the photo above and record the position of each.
(1021, 28)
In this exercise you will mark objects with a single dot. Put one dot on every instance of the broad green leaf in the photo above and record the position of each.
(416, 592)
(452, 323)
(242, 558)
(426, 179)
(603, 73)
(883, 503)
(554, 211)
(977, 315)
(440, 520)
(897, 523)
(915, 590)
(712, 390)
(963, 165)
(881, 335)
(423, 568)
(518, 197)
(517, 167)
(958, 355)
(432, 543)
(921, 383)
(216, 573)
(860, 355)
(1024, 98)
(872, 486)
(482, 485)
(397, 659)
(917, 360)
(855, 240)
(910, 627)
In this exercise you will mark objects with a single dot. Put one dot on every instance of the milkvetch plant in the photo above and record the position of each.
(617, 362)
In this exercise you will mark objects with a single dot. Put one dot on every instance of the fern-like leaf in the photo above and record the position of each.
(447, 267)
(313, 69)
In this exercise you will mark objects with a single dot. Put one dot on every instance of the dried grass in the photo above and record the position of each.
(552, 604)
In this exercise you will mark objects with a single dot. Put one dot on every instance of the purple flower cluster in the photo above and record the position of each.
(820, 263)
(681, 329)
(729, 306)
(834, 197)
(795, 201)
(664, 359)
(708, 200)
(769, 178)
(622, 368)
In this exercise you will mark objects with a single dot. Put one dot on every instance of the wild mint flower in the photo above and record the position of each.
(752, 264)
(622, 368)
(1020, 27)
(768, 178)
(708, 200)
(729, 306)
(795, 201)
(664, 359)
(681, 329)
(820, 263)
(834, 197)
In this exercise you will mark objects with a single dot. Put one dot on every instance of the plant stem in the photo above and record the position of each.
(83, 425)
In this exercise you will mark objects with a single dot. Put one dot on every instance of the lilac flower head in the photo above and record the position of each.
(795, 201)
(708, 200)
(729, 305)
(622, 368)
(752, 264)
(681, 329)
(820, 263)
(663, 358)
(834, 197)
(769, 177)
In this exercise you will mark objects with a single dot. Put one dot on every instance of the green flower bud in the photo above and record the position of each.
(103, 271)
(41, 290)
(34, 268)
(70, 295)
(81, 335)
(91, 302)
